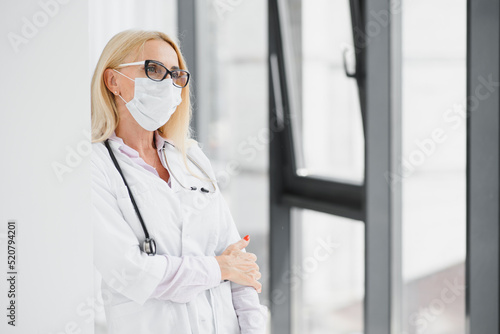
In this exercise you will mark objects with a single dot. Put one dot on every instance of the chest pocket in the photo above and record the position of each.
(200, 211)
(146, 203)
(201, 218)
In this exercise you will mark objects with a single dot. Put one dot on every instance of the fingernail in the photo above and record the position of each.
(246, 237)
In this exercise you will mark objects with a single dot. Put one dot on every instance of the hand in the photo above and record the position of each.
(238, 266)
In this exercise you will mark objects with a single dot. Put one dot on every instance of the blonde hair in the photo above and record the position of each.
(104, 112)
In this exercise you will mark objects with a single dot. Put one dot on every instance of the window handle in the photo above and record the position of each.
(278, 96)
(344, 58)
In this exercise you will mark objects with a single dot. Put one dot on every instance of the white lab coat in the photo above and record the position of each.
(182, 222)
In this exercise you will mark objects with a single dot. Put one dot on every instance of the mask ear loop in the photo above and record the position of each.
(122, 99)
(124, 75)
(127, 78)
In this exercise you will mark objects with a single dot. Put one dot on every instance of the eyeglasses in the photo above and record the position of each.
(156, 71)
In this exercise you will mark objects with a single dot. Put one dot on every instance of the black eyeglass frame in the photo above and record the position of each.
(149, 61)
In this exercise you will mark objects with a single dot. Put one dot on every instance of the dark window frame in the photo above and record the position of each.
(380, 210)
(483, 169)
(374, 202)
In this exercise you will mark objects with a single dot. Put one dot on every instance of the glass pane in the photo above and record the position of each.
(327, 119)
(232, 114)
(433, 166)
(327, 274)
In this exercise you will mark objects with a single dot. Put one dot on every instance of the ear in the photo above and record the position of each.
(110, 81)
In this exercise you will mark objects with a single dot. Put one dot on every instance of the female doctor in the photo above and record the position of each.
(165, 244)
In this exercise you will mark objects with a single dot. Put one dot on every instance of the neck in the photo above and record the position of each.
(136, 137)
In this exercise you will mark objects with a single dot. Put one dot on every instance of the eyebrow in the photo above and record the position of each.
(171, 68)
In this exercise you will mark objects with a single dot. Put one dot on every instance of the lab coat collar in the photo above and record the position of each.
(160, 141)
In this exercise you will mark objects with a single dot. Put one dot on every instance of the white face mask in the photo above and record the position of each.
(154, 102)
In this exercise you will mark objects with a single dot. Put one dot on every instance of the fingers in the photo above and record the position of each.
(258, 275)
(258, 287)
(252, 256)
(249, 276)
(244, 266)
(243, 242)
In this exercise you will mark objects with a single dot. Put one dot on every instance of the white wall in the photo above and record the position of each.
(107, 18)
(45, 119)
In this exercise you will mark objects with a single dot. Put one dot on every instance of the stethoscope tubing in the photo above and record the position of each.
(149, 245)
(202, 189)
(136, 208)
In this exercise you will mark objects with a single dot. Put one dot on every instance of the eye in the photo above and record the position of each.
(153, 68)
(179, 74)
(155, 71)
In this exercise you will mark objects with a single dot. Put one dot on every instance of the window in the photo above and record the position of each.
(231, 113)
(317, 169)
(433, 167)
(324, 100)
(329, 123)
(327, 273)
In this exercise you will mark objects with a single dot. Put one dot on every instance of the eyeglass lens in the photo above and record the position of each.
(158, 72)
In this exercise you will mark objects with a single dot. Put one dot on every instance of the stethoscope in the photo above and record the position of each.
(149, 244)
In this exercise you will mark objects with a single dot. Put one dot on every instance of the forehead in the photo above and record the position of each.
(159, 50)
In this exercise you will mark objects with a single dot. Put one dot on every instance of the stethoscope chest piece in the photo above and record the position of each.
(149, 246)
